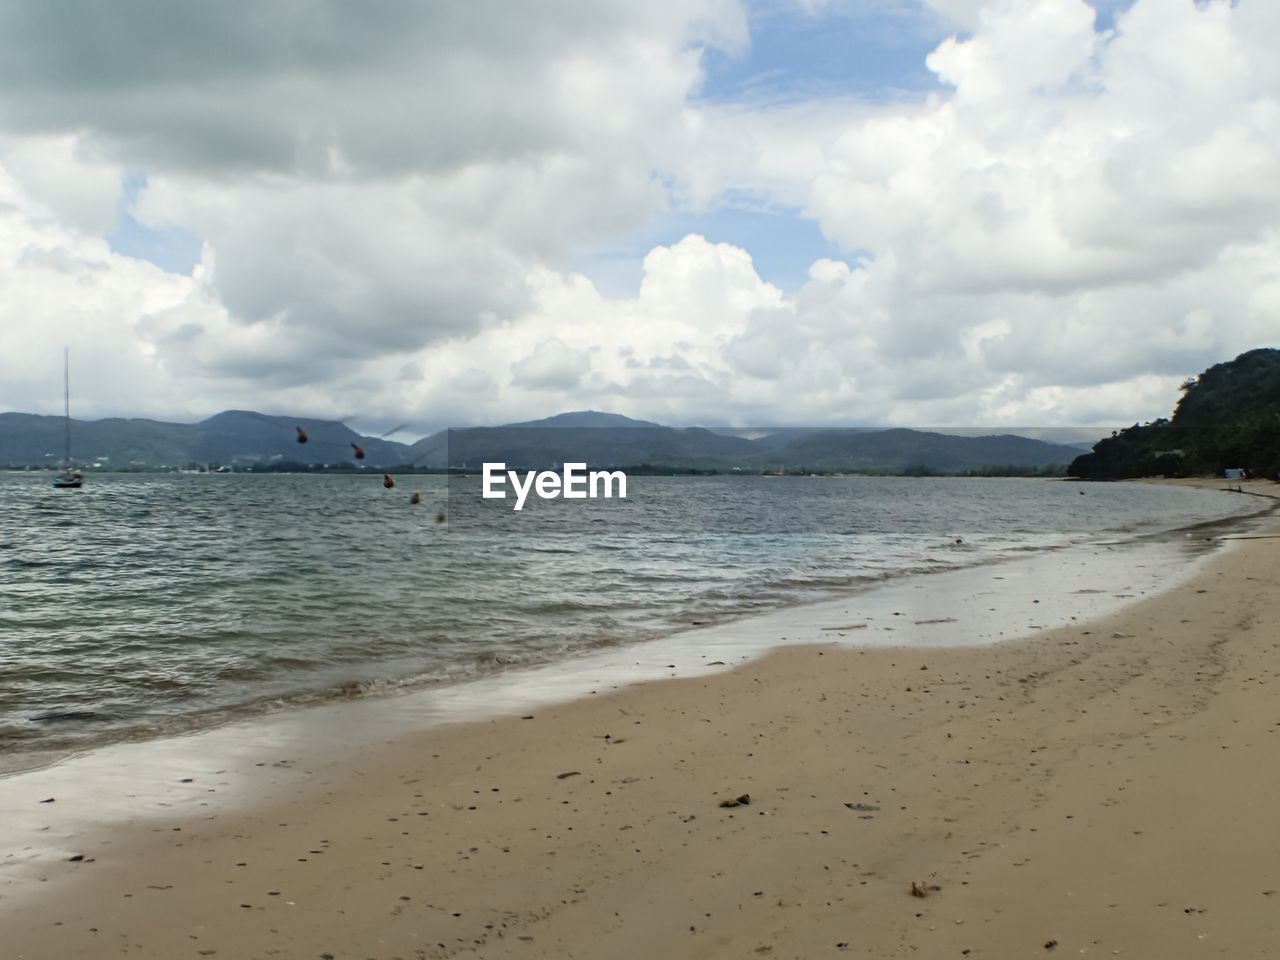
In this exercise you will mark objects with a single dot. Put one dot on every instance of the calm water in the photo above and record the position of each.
(148, 604)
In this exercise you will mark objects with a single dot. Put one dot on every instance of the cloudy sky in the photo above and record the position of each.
(916, 212)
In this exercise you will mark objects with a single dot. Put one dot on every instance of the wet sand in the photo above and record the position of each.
(1106, 788)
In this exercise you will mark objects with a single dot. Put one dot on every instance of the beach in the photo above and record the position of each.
(1106, 788)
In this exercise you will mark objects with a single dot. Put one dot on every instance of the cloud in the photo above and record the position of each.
(367, 181)
(69, 178)
(59, 286)
(390, 204)
(324, 87)
(959, 13)
(1057, 164)
(1020, 49)
(1101, 196)
(551, 366)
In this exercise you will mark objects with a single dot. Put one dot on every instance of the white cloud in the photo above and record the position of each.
(960, 13)
(326, 87)
(1107, 200)
(68, 178)
(366, 181)
(551, 366)
(1025, 179)
(59, 286)
(1019, 49)
(1070, 225)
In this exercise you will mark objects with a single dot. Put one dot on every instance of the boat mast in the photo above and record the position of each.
(66, 397)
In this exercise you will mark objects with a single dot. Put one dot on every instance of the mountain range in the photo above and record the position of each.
(244, 439)
(235, 438)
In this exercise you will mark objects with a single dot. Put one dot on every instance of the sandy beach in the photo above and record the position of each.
(1105, 789)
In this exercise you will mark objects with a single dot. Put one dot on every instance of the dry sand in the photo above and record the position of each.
(1105, 789)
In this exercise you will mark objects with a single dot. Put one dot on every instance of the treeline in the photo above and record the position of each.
(1228, 418)
(1005, 470)
(659, 470)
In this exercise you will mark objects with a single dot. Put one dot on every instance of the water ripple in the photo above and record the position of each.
(152, 603)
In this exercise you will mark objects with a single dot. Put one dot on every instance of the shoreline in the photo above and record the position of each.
(743, 629)
(949, 607)
(1041, 783)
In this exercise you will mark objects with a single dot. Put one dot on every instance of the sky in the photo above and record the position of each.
(715, 212)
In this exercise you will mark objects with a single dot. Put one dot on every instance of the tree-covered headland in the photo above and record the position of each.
(1228, 417)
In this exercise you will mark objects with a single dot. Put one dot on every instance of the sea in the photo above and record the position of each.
(147, 605)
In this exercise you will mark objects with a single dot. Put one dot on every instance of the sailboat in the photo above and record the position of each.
(70, 478)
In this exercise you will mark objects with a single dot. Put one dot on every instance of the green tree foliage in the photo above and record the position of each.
(1229, 416)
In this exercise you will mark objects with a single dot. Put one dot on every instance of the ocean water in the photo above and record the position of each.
(146, 605)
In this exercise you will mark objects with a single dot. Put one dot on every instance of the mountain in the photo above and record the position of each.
(29, 439)
(901, 450)
(587, 418)
(234, 437)
(245, 438)
(598, 439)
(242, 436)
(609, 440)
(1228, 417)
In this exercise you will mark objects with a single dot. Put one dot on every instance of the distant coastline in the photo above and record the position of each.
(246, 441)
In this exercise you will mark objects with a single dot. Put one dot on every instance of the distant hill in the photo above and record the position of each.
(588, 418)
(900, 450)
(600, 439)
(245, 439)
(1228, 417)
(611, 440)
(242, 436)
(234, 438)
(28, 439)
